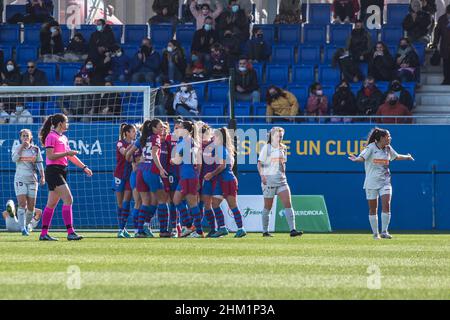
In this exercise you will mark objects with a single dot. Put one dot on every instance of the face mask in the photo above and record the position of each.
(184, 89)
(99, 28)
(53, 30)
(393, 102)
(10, 67)
(169, 49)
(396, 87)
(403, 47)
(89, 66)
(119, 54)
(194, 58)
(19, 109)
(242, 69)
(259, 35)
(208, 27)
(235, 8)
(319, 92)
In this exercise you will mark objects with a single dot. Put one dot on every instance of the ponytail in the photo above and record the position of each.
(147, 130)
(51, 121)
(124, 127)
(376, 134)
(227, 141)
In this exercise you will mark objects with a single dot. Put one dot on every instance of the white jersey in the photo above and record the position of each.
(376, 165)
(12, 224)
(27, 162)
(273, 165)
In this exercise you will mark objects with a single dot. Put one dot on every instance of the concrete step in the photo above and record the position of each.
(440, 89)
(431, 78)
(433, 120)
(429, 68)
(445, 110)
(433, 99)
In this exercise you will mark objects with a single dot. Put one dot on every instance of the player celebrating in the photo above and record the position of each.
(58, 155)
(11, 221)
(121, 183)
(28, 159)
(376, 157)
(272, 169)
(227, 184)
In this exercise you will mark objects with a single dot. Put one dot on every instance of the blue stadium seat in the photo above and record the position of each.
(364, 67)
(259, 68)
(50, 70)
(302, 74)
(218, 93)
(382, 85)
(355, 87)
(10, 34)
(314, 35)
(339, 34)
(185, 33)
(319, 14)
(25, 53)
(66, 34)
(396, 13)
(7, 51)
(68, 72)
(420, 49)
(200, 91)
(32, 33)
(211, 110)
(391, 35)
(373, 35)
(86, 30)
(309, 55)
(34, 107)
(243, 109)
(134, 33)
(393, 50)
(277, 74)
(13, 9)
(51, 107)
(118, 31)
(329, 75)
(328, 53)
(289, 34)
(411, 88)
(259, 109)
(269, 30)
(283, 54)
(301, 93)
(328, 91)
(161, 34)
(130, 50)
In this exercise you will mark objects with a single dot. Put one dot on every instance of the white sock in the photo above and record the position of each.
(385, 219)
(265, 220)
(30, 215)
(290, 217)
(146, 224)
(373, 219)
(21, 218)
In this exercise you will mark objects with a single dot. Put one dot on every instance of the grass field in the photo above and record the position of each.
(316, 266)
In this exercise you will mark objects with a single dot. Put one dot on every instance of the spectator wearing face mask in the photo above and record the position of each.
(236, 20)
(120, 66)
(344, 103)
(407, 61)
(51, 41)
(173, 64)
(258, 49)
(281, 103)
(204, 39)
(77, 50)
(232, 47)
(164, 100)
(185, 102)
(21, 116)
(381, 63)
(145, 67)
(392, 107)
(442, 36)
(11, 75)
(359, 43)
(317, 104)
(204, 13)
(403, 95)
(4, 115)
(196, 70)
(34, 76)
(349, 68)
(88, 73)
(246, 81)
(417, 23)
(219, 62)
(369, 98)
(102, 37)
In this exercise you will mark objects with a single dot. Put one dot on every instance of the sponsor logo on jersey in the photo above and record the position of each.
(383, 162)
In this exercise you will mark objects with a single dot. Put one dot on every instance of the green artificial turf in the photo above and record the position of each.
(316, 266)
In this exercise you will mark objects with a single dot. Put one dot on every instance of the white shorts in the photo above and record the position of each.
(26, 189)
(12, 225)
(269, 192)
(373, 194)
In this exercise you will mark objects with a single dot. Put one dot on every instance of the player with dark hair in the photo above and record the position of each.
(58, 155)
(376, 157)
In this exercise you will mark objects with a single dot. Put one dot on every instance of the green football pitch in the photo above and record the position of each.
(316, 266)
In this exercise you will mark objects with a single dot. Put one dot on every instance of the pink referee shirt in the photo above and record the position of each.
(59, 143)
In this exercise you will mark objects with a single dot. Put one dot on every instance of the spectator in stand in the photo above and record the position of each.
(205, 13)
(120, 66)
(9, 103)
(429, 6)
(317, 104)
(90, 75)
(76, 105)
(77, 50)
(359, 43)
(167, 8)
(289, 12)
(173, 63)
(281, 103)
(21, 116)
(52, 46)
(164, 100)
(407, 61)
(219, 62)
(34, 76)
(39, 11)
(246, 81)
(418, 23)
(442, 36)
(185, 102)
(381, 63)
(102, 37)
(4, 116)
(102, 62)
(234, 19)
(369, 98)
(344, 103)
(258, 49)
(392, 107)
(1, 11)
(11, 75)
(109, 103)
(145, 67)
(232, 47)
(196, 70)
(245, 5)
(204, 39)
(403, 95)
(345, 10)
(349, 68)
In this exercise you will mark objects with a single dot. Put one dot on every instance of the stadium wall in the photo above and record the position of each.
(317, 164)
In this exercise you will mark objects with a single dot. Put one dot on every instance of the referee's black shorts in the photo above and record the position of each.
(56, 176)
